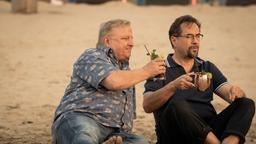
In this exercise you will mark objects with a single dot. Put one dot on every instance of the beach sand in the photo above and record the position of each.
(37, 52)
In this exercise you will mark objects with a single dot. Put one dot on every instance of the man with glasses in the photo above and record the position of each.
(183, 113)
(99, 103)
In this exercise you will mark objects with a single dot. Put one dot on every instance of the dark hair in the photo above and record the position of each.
(175, 29)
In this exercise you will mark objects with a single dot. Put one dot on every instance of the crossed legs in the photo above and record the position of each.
(181, 124)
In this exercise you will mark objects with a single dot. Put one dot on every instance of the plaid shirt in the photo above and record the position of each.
(86, 94)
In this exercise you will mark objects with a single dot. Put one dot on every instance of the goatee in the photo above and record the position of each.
(191, 53)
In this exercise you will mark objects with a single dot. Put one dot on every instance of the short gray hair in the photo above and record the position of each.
(106, 27)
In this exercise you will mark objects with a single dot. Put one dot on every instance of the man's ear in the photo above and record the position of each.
(106, 41)
(173, 39)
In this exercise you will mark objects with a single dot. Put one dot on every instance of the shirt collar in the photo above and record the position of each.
(105, 49)
(109, 52)
(198, 63)
(170, 62)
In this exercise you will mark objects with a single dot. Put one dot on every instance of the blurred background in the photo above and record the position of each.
(41, 39)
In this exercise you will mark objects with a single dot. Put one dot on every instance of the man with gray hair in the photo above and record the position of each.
(99, 103)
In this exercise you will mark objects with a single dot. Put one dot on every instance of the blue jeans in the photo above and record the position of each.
(77, 128)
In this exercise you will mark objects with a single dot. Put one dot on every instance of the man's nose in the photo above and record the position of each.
(195, 40)
(130, 42)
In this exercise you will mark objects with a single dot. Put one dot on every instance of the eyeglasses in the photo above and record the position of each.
(192, 37)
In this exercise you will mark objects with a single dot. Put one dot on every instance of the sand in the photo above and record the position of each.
(37, 52)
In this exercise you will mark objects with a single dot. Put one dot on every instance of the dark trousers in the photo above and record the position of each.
(181, 125)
